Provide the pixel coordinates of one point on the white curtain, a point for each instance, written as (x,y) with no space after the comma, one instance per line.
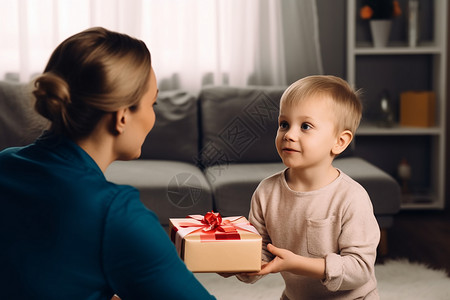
(193,42)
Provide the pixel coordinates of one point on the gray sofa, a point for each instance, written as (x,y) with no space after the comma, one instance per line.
(204,153)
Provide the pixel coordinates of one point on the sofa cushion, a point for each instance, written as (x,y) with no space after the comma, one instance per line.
(239,124)
(20,124)
(175,134)
(171,189)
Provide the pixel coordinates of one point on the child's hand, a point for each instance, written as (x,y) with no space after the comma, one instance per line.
(283,261)
(245,276)
(286,260)
(241,274)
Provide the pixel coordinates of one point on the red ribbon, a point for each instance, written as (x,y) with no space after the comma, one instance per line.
(213,220)
(212,227)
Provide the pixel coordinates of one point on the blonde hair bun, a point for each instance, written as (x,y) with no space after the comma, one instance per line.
(52,97)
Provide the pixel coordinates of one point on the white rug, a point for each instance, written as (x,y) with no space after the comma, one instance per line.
(399,279)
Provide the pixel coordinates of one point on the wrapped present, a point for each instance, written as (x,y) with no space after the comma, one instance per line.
(211,243)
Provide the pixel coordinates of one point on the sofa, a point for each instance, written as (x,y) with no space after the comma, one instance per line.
(205,152)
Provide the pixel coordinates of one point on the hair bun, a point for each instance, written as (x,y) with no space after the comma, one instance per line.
(52,96)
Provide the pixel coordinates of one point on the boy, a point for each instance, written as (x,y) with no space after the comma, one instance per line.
(317,224)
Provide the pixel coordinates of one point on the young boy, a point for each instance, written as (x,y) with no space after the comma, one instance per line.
(317,224)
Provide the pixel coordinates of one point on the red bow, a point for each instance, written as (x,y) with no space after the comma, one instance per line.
(213,220)
(213,227)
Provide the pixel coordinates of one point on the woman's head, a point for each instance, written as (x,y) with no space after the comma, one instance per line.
(92,73)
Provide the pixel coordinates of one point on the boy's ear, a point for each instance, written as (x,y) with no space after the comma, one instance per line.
(342,141)
(120,120)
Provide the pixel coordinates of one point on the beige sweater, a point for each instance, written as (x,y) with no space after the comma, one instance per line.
(335,222)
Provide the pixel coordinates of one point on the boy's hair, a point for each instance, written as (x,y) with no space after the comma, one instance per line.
(347,104)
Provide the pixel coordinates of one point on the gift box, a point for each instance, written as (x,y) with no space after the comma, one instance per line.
(211,243)
(417,108)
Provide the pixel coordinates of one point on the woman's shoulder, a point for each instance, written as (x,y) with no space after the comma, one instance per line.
(125,200)
(124,193)
(7,152)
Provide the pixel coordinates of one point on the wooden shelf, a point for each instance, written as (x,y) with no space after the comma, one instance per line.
(370,129)
(397,49)
(421,202)
(373,69)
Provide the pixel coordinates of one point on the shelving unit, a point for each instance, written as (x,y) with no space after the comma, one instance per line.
(398,67)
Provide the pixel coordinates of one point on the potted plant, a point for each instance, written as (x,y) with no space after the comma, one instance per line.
(380,13)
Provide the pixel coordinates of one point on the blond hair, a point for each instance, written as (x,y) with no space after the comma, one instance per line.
(347,104)
(88,75)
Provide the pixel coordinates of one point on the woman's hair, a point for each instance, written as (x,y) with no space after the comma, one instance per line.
(88,75)
(347,104)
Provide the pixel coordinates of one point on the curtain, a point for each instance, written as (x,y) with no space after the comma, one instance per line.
(193,42)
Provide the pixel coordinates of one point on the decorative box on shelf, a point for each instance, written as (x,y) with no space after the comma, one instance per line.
(211,243)
(417,108)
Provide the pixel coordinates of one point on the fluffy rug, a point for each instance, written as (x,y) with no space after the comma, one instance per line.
(397,279)
(401,279)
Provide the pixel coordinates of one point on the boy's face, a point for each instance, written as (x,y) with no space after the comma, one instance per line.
(307,133)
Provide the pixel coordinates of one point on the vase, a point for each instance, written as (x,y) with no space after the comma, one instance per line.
(380,30)
(413,15)
(386,110)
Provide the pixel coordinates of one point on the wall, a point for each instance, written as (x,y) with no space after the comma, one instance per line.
(332,28)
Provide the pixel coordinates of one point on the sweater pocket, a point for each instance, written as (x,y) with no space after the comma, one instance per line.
(322,236)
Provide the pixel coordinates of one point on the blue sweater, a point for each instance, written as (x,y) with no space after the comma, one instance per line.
(68,233)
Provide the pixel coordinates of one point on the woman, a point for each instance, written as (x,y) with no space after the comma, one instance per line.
(67,232)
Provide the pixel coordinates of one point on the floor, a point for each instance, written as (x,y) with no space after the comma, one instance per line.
(420,236)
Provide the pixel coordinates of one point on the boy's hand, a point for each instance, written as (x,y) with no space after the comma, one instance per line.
(286,260)
(245,276)
(283,261)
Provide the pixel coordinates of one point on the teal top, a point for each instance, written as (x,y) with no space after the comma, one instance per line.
(68,233)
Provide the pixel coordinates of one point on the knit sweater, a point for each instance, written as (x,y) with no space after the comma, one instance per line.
(335,222)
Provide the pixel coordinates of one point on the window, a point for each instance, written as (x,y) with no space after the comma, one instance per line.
(193,42)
